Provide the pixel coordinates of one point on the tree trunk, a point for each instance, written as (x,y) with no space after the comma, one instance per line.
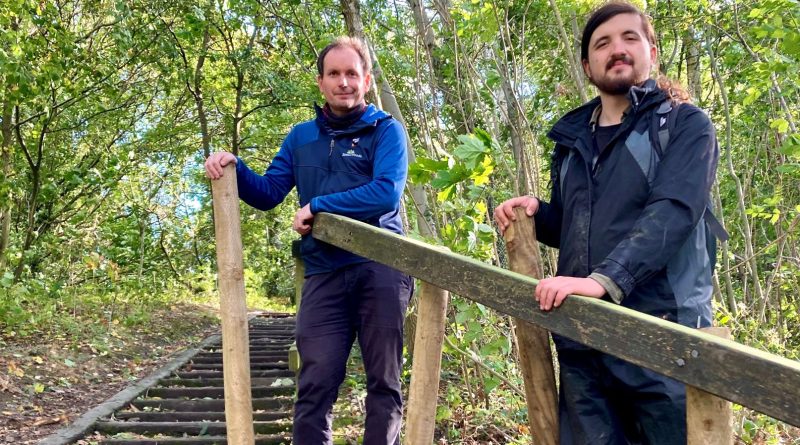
(198,95)
(5,160)
(693,70)
(423,218)
(575,70)
(747,233)
(355,27)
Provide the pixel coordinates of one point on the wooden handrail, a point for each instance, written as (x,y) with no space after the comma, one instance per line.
(756,379)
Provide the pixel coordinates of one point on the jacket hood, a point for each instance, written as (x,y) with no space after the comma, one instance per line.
(371,117)
(566,130)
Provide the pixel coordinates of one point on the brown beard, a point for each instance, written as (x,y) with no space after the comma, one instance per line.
(618,86)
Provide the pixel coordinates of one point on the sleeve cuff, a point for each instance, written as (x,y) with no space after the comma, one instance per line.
(610,286)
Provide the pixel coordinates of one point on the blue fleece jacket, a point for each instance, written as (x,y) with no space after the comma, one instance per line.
(359,172)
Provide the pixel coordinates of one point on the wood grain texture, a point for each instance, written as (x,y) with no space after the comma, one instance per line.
(423,394)
(536,360)
(764,382)
(235,343)
(708,417)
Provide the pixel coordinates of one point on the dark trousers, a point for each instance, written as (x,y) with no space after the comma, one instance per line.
(606,400)
(366,301)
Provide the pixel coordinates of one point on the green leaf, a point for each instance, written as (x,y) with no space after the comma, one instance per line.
(485,228)
(791,146)
(782,125)
(448,178)
(69,363)
(491,383)
(752,95)
(471,151)
(791,45)
(429,165)
(443,412)
(463,316)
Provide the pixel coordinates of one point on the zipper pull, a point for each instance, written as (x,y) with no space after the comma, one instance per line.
(331,152)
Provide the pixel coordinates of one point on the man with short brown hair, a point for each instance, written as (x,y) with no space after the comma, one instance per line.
(350,160)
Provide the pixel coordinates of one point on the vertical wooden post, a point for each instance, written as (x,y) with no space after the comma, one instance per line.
(235,345)
(424,391)
(708,417)
(536,360)
(299,278)
(299,273)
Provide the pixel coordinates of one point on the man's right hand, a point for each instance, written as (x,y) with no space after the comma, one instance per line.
(504,213)
(216,162)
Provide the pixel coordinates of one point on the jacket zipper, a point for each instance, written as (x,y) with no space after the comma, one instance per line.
(330,153)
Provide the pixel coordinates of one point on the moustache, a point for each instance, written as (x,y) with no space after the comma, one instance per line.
(624,58)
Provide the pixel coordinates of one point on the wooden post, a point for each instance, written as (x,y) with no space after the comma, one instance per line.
(536,360)
(299,277)
(299,273)
(424,391)
(708,418)
(235,344)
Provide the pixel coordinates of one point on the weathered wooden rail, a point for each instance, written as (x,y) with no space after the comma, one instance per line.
(183,403)
(756,379)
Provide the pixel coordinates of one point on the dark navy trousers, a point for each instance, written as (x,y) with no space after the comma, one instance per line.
(367,301)
(606,400)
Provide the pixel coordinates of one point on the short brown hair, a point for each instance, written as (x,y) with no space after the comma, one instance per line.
(353,43)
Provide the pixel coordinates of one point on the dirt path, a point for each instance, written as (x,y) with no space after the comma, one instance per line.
(47,381)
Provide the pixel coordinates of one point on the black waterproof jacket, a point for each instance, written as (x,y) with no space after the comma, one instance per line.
(631,216)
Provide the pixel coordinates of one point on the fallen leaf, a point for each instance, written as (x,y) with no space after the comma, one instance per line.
(6,385)
(50,420)
(14,369)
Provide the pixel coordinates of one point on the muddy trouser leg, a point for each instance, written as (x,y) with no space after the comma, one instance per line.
(324,335)
(384,294)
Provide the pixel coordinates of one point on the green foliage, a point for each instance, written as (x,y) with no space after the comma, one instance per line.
(107,110)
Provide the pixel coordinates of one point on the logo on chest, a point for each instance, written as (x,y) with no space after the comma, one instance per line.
(351,152)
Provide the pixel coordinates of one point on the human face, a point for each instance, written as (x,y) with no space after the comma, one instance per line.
(620,55)
(343,81)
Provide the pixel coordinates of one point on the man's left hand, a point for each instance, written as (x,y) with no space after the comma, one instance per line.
(551,292)
(302,220)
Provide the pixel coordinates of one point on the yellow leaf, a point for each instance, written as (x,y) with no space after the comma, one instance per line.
(38,360)
(15,370)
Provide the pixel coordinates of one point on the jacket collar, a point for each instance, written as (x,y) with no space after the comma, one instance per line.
(575,123)
(370,118)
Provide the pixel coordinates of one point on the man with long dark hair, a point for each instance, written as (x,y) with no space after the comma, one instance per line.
(632,172)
